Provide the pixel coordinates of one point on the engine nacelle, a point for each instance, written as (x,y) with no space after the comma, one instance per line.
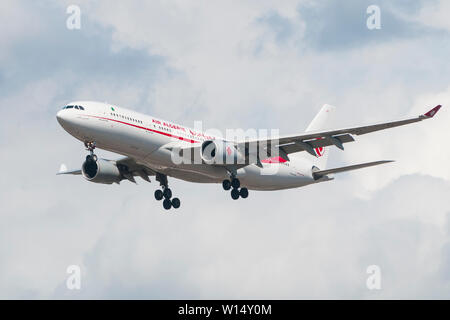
(101,171)
(221,153)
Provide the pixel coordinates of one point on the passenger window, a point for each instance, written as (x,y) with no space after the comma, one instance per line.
(81,108)
(69,107)
(76,107)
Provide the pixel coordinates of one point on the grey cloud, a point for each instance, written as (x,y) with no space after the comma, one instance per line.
(341,25)
(75,58)
(280,26)
(307,249)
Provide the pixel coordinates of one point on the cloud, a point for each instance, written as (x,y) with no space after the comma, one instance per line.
(435,15)
(335,25)
(305,250)
(265,65)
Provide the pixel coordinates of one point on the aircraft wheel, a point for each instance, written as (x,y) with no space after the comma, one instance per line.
(167,193)
(176,203)
(226,184)
(167,204)
(159,195)
(235,183)
(235,194)
(243,193)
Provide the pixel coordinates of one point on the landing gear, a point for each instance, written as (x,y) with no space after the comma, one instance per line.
(159,195)
(166,193)
(167,204)
(90,146)
(226,184)
(176,203)
(234,184)
(235,194)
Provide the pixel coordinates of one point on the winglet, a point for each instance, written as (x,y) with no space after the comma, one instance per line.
(432,112)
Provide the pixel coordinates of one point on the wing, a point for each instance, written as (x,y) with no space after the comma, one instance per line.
(316,139)
(128,167)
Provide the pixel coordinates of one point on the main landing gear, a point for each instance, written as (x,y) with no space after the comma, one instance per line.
(234,184)
(166,193)
(90,146)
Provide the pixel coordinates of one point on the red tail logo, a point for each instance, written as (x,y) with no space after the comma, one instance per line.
(320,150)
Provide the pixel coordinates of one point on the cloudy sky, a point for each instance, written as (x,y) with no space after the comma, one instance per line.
(232,64)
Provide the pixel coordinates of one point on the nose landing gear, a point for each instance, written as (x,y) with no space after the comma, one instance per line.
(90,146)
(234,184)
(166,193)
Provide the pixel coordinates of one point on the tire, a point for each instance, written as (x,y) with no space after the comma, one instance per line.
(235,194)
(159,195)
(235,183)
(176,203)
(243,193)
(226,184)
(167,193)
(167,204)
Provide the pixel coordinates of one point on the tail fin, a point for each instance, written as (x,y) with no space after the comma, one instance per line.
(321,121)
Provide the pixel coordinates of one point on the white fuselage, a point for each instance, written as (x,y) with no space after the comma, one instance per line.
(147,140)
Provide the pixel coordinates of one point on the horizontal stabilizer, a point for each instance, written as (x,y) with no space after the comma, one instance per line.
(321,173)
(63,170)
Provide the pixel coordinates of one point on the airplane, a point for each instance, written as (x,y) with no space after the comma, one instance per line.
(148,145)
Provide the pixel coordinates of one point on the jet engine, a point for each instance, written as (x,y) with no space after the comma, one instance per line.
(221,152)
(101,171)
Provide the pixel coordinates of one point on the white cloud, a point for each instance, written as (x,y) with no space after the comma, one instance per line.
(435,15)
(18,24)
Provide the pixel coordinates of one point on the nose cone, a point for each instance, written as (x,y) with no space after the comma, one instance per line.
(64,119)
(67,120)
(59,116)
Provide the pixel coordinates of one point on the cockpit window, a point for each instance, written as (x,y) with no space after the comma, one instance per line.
(71,107)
